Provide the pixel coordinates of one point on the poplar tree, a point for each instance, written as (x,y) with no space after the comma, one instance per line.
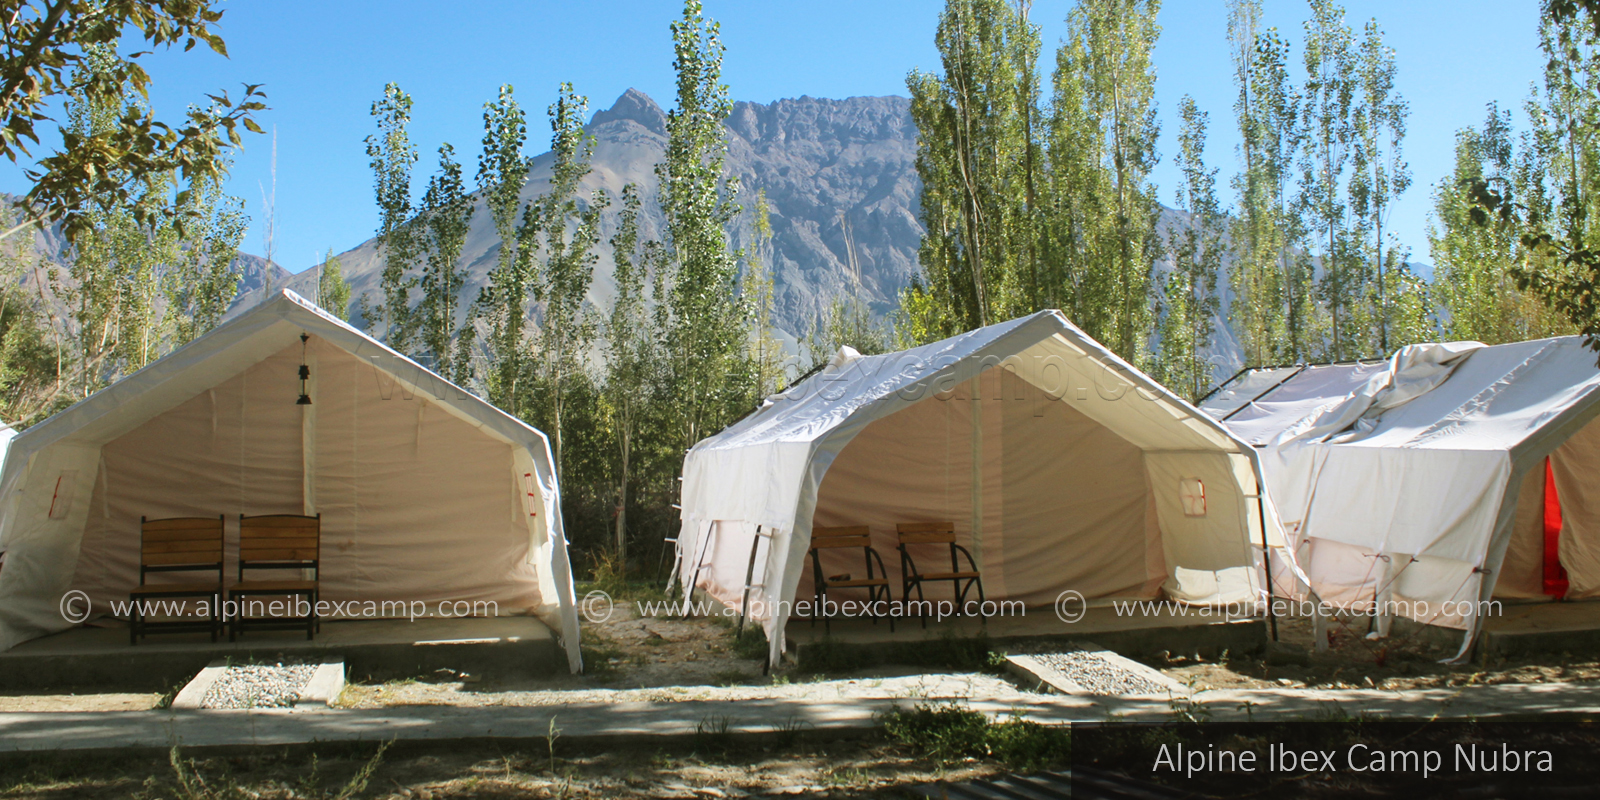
(569,230)
(503,302)
(441,226)
(333,294)
(1190,290)
(1279,137)
(980,161)
(201,282)
(1329,131)
(1108,51)
(757,287)
(392,156)
(630,354)
(1380,174)
(706,325)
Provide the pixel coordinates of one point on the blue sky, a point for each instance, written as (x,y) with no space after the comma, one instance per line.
(323,63)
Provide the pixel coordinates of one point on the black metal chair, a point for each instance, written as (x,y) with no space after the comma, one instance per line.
(963,580)
(876,584)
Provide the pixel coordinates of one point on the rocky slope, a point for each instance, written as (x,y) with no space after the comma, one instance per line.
(839,177)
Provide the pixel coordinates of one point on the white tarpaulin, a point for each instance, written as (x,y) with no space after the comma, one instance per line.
(427,493)
(1062,468)
(1424,478)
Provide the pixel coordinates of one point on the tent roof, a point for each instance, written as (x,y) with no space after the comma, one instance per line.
(1497,398)
(1094,379)
(778,454)
(230,348)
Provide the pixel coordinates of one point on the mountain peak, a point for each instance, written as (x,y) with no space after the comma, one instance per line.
(637,106)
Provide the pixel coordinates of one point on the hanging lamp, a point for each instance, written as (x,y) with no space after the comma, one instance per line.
(305,373)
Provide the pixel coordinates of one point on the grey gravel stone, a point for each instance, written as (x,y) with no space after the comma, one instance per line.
(259,686)
(1089,670)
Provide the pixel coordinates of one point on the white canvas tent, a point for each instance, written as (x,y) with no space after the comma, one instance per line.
(426,492)
(1423,482)
(1063,467)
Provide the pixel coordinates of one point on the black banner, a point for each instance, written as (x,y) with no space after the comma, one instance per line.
(1553,756)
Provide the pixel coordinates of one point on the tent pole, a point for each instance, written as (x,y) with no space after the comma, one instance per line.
(1266,552)
(688,590)
(749,575)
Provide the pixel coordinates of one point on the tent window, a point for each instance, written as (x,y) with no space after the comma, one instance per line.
(1193,494)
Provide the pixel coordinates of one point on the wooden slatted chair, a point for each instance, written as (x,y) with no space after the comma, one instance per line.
(278,542)
(876,584)
(178,544)
(925,533)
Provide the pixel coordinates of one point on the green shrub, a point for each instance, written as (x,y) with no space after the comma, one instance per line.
(951,733)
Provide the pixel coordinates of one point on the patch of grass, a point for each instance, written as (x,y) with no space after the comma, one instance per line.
(598,655)
(949,733)
(751,643)
(190,781)
(610,574)
(712,733)
(166,698)
(730,677)
(788,731)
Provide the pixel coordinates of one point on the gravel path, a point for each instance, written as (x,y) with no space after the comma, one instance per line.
(912,688)
(1098,675)
(259,686)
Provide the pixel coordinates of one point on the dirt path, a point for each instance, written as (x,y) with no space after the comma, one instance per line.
(1355,662)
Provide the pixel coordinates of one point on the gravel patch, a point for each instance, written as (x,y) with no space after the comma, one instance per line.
(1098,675)
(259,686)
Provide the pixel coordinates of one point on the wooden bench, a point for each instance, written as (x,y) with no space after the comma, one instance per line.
(935,533)
(876,584)
(178,544)
(278,542)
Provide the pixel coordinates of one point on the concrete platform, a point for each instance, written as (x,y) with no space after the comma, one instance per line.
(373,650)
(1535,628)
(1142,634)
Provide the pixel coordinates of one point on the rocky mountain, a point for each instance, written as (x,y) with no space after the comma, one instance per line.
(839,177)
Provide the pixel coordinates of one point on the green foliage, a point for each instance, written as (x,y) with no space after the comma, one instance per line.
(441,226)
(1381,176)
(392,156)
(767,357)
(502,172)
(1272,299)
(1191,302)
(978,159)
(949,734)
(45,58)
(847,321)
(333,294)
(568,233)
(751,643)
(1326,118)
(704,319)
(630,357)
(150,274)
(1523,212)
(1026,208)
